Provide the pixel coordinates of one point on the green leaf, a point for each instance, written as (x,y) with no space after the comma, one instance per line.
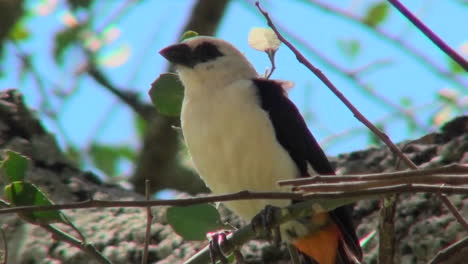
(349,47)
(106,157)
(376,14)
(19,32)
(64,39)
(194,222)
(188,34)
(14,165)
(23,194)
(167,94)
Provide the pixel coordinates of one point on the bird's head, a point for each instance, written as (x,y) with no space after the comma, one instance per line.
(208,60)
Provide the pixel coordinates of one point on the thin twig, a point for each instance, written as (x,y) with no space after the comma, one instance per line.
(88,248)
(242,195)
(5,246)
(386,229)
(448,252)
(453,210)
(144,111)
(354,77)
(365,185)
(382,191)
(149,219)
(430,34)
(448,170)
(271,57)
(394,40)
(335,90)
(353,109)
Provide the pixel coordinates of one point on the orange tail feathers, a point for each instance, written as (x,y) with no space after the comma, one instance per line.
(321,245)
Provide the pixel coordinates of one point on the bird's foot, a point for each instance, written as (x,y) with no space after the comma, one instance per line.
(215,240)
(264,224)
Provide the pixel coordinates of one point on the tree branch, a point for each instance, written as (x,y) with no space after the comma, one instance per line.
(430,34)
(354,110)
(396,41)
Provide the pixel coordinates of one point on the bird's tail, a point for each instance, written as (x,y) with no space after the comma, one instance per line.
(325,247)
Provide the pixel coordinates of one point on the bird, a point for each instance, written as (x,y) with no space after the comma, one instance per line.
(244,133)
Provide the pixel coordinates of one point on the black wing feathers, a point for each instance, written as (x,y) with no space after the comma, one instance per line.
(293,134)
(291,129)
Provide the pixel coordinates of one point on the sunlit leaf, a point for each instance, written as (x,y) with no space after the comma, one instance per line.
(188,34)
(194,222)
(167,94)
(376,14)
(14,166)
(263,39)
(22,194)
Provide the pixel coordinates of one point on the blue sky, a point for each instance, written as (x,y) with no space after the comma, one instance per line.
(151,25)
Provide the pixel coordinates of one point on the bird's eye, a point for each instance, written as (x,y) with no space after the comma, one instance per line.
(207,51)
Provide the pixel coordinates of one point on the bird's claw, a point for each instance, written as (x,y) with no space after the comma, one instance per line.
(215,240)
(264,224)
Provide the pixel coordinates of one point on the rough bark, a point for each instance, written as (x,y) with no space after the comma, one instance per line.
(423,226)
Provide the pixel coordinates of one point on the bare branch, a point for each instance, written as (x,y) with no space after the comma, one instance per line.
(335,90)
(430,34)
(439,172)
(444,255)
(5,246)
(242,195)
(149,219)
(88,248)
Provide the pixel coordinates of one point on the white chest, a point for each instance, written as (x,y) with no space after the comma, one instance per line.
(233,145)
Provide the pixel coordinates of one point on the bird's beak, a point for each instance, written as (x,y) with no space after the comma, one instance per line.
(179,54)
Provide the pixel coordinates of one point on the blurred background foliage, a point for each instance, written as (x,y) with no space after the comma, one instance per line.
(86,67)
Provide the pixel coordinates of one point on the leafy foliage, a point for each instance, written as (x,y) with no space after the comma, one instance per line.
(263,39)
(64,39)
(21,193)
(188,34)
(376,14)
(194,222)
(167,94)
(14,166)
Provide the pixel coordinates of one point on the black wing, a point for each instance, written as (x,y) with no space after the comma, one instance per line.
(293,134)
